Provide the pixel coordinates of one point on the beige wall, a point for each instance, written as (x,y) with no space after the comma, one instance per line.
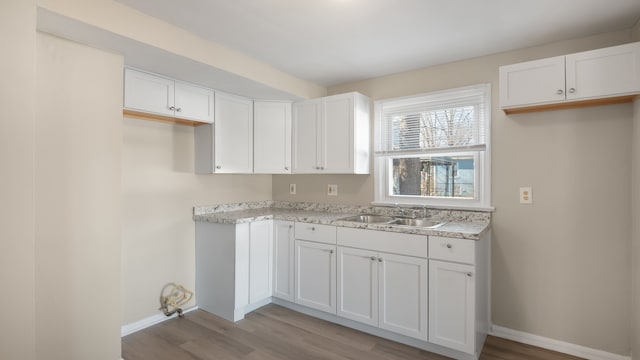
(78,133)
(17,38)
(561,267)
(159,190)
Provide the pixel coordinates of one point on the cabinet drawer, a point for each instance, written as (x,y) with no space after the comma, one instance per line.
(315,232)
(452,249)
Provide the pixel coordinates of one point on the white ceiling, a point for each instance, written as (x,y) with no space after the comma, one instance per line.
(336,41)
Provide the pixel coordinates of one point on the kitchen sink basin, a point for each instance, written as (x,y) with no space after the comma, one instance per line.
(398,221)
(422,223)
(368,219)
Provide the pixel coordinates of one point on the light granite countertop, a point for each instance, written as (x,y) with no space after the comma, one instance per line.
(458,224)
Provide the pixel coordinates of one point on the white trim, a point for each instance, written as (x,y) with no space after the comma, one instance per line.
(555,345)
(442,207)
(147,322)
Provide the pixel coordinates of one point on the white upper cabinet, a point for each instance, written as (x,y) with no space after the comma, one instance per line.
(193,102)
(331,135)
(272,137)
(233,134)
(605,72)
(226,147)
(153,94)
(532,82)
(306,136)
(588,76)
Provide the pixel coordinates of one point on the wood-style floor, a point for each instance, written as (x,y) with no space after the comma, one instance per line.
(274,332)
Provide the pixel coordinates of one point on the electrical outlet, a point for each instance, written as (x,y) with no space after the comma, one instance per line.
(526,195)
(292,189)
(332,190)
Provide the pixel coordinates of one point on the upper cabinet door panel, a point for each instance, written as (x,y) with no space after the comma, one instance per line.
(306,120)
(233,134)
(193,102)
(337,134)
(604,72)
(148,93)
(532,82)
(272,137)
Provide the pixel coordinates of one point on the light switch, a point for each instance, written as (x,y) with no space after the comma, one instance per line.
(526,195)
(332,189)
(292,189)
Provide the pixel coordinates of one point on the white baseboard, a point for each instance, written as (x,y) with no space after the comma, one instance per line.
(555,345)
(150,321)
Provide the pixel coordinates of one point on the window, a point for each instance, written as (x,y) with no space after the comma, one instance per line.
(433,148)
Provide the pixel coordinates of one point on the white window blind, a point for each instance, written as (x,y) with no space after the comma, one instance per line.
(451,120)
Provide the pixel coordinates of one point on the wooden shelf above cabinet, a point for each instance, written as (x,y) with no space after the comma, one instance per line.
(160,118)
(572,105)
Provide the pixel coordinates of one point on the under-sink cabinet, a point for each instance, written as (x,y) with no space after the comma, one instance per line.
(383,290)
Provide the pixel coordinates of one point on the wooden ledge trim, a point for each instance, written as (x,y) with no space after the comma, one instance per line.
(572,105)
(160,118)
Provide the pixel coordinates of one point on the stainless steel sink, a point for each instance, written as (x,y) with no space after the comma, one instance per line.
(368,219)
(422,223)
(398,221)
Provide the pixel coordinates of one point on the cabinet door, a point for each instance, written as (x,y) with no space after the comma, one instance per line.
(148,93)
(306,127)
(358,285)
(604,72)
(283,260)
(336,135)
(233,134)
(403,295)
(452,305)
(532,82)
(272,137)
(315,280)
(193,102)
(260,253)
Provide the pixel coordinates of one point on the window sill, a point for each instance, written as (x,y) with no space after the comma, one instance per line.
(440,207)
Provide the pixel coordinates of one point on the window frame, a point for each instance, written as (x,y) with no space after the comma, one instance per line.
(382,163)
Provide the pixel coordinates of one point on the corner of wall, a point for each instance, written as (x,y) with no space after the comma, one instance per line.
(635,31)
(635,232)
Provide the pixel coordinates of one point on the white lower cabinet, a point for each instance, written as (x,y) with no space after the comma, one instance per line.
(233,267)
(384,290)
(428,291)
(260,257)
(283,260)
(315,275)
(358,285)
(403,295)
(452,305)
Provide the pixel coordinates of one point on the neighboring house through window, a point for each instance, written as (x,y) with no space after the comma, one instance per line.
(433,149)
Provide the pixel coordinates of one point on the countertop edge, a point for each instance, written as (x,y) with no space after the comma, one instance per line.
(474,231)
